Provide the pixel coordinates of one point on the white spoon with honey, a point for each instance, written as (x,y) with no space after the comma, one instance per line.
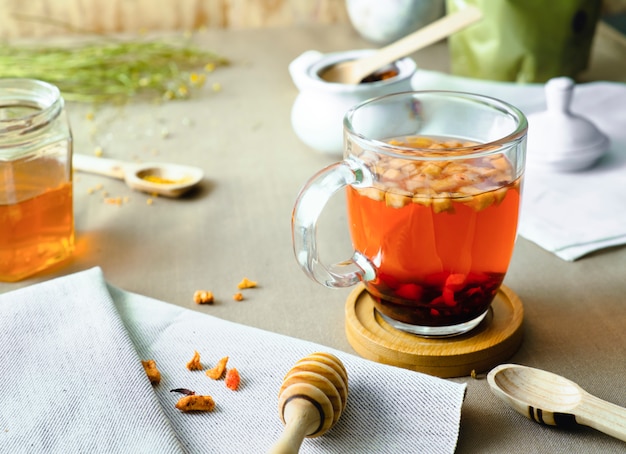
(169,180)
(553,400)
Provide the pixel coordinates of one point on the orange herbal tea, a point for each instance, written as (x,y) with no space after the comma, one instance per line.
(439,231)
(36,221)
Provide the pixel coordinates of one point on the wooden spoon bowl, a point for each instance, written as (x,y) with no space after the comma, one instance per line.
(550,399)
(169,180)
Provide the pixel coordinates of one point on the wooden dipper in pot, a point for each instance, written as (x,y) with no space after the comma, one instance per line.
(311,399)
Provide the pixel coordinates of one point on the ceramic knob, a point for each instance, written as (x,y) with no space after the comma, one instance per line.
(559,139)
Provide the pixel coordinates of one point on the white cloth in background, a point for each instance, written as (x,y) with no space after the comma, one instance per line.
(569,214)
(72,381)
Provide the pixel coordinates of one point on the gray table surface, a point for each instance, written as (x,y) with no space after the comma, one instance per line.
(238,224)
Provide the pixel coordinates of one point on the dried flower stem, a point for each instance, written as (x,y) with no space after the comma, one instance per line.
(112,70)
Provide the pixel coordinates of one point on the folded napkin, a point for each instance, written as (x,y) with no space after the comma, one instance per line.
(569,214)
(70,377)
(72,381)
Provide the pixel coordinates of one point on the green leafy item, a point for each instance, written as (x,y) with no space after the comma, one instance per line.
(524,40)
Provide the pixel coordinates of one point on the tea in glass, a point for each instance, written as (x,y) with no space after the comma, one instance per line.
(433,181)
(440,233)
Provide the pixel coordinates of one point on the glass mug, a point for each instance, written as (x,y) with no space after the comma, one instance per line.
(433,182)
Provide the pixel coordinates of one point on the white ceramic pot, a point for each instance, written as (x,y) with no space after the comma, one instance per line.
(384,21)
(318,111)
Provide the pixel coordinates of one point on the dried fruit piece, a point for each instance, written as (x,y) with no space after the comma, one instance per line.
(455,281)
(423,200)
(151,371)
(246,283)
(217,372)
(396,200)
(409,291)
(194,363)
(372,193)
(397,181)
(203,297)
(232,379)
(441,204)
(195,403)
(480,201)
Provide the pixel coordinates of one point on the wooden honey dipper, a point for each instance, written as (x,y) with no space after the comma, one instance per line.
(311,399)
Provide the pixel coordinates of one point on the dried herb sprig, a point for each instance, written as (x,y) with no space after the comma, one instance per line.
(184,391)
(109,70)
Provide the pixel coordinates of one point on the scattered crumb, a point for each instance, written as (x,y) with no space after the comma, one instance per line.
(194,363)
(203,297)
(98,151)
(151,371)
(113,201)
(238,296)
(218,371)
(195,403)
(232,379)
(246,283)
(477,376)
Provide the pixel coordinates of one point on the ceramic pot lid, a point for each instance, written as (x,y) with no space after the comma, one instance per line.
(560,139)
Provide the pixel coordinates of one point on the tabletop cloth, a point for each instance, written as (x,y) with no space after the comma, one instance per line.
(72,381)
(570,214)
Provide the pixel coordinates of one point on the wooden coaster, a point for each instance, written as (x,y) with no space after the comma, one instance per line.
(492,342)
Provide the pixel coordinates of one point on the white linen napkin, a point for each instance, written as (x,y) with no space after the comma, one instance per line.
(70,378)
(72,381)
(569,214)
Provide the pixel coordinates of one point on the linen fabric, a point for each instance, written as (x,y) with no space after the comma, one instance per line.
(73,381)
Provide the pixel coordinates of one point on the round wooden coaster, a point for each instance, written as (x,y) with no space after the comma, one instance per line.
(492,342)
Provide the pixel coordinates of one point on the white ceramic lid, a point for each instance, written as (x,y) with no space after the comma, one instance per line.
(560,139)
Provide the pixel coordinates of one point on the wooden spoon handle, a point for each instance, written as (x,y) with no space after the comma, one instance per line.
(301,418)
(603,416)
(423,37)
(99,166)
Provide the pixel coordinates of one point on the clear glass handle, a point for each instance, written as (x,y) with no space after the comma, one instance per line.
(307,210)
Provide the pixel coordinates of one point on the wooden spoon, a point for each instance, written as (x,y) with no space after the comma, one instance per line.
(169,180)
(353,72)
(550,399)
(311,399)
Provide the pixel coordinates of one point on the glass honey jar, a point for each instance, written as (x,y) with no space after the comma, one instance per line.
(36,210)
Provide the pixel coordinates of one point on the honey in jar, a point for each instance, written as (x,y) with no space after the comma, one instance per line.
(36,212)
